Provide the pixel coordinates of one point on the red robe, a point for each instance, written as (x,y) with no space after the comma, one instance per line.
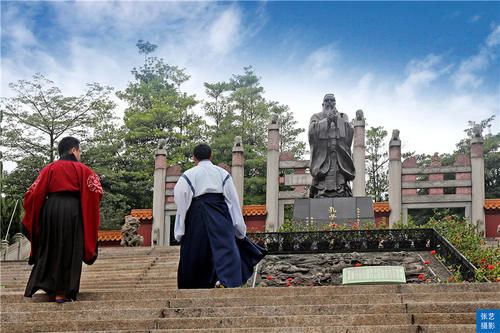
(72,176)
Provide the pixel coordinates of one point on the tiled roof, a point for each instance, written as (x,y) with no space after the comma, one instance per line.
(109,235)
(142,214)
(254,210)
(492,204)
(381,207)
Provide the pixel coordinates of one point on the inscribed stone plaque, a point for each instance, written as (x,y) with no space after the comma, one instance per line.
(320,209)
(301,209)
(373,275)
(336,210)
(365,206)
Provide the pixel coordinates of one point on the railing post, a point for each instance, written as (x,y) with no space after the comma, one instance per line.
(272,186)
(436,177)
(238,169)
(157,230)
(477,174)
(358,155)
(395,178)
(18,237)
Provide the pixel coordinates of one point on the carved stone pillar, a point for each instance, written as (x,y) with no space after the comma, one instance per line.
(478,191)
(395,178)
(158,228)
(358,155)
(237,169)
(272,186)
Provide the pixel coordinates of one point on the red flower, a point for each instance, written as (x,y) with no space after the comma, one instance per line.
(433,252)
(450,279)
(421,276)
(288,284)
(289,279)
(427,262)
(498,280)
(298,282)
(311,285)
(449,217)
(358,264)
(491,267)
(269,277)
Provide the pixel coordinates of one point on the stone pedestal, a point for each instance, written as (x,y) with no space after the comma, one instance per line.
(340,211)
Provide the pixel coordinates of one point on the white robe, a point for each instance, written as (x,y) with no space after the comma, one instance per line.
(206,178)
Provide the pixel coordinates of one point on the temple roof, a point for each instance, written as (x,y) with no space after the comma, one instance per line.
(109,235)
(381,207)
(254,210)
(142,214)
(492,204)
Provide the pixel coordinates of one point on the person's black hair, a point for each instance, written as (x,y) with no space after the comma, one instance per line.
(67,144)
(202,152)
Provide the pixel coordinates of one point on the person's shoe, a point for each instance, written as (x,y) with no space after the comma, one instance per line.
(62,299)
(219,285)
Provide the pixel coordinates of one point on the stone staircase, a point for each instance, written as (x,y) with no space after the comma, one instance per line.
(134,290)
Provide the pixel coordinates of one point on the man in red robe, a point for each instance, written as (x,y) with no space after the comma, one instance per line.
(62,220)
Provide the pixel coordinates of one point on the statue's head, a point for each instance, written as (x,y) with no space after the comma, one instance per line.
(328,102)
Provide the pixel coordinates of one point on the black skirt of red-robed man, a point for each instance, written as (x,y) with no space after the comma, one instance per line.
(58,257)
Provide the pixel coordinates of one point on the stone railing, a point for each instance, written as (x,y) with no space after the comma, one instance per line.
(380,240)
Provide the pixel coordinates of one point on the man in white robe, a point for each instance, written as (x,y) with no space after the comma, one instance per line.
(210,227)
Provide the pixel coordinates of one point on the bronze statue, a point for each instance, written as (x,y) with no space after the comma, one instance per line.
(330,138)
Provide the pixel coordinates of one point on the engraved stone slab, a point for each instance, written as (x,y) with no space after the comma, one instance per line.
(334,210)
(373,275)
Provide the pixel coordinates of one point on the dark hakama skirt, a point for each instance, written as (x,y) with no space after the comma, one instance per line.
(210,252)
(58,258)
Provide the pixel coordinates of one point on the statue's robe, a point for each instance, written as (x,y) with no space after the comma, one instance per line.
(61,221)
(331,150)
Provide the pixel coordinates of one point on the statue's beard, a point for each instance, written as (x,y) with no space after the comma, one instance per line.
(329,108)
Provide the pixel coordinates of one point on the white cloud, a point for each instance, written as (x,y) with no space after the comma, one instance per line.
(475,18)
(494,37)
(224,32)
(468,73)
(320,63)
(421,74)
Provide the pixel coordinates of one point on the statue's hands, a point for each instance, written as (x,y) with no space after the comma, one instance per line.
(332,117)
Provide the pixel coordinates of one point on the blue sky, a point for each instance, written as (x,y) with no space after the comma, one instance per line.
(425,68)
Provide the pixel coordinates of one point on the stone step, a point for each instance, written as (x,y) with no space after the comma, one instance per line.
(148,312)
(338,329)
(338,299)
(178,301)
(262,322)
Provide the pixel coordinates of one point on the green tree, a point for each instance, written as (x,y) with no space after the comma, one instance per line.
(145,47)
(36,118)
(40,114)
(491,149)
(157,109)
(288,130)
(376,164)
(238,108)
(221,134)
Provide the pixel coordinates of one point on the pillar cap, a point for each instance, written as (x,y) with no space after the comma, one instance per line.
(395,141)
(238,145)
(160,151)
